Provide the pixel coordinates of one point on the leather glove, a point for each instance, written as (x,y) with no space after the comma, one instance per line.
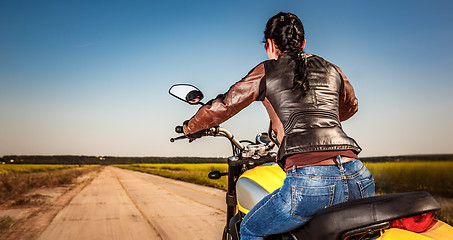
(192,136)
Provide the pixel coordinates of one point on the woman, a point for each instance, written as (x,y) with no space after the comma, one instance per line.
(306,97)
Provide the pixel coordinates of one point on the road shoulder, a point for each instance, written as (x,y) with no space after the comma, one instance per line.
(31,220)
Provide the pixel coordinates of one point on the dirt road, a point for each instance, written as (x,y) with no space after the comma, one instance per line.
(122,204)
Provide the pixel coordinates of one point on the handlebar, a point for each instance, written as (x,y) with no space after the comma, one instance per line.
(217,131)
(214,131)
(230,137)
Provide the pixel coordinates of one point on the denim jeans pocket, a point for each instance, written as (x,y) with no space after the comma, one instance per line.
(306,201)
(366,187)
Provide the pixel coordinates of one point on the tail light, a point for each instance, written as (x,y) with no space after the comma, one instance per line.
(419,223)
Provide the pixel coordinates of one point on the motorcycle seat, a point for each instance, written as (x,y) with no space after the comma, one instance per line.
(332,222)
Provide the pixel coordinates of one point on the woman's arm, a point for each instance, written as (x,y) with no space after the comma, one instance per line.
(348,102)
(224,106)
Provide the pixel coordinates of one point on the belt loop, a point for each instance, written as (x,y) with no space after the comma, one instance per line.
(294,168)
(339,160)
(340,165)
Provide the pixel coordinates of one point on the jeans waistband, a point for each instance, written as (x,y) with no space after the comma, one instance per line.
(338,160)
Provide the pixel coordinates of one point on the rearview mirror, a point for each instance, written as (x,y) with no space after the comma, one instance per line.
(187,93)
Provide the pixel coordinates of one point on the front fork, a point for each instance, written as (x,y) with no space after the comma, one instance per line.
(231,200)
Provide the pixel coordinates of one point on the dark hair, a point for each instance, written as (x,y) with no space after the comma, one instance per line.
(287,32)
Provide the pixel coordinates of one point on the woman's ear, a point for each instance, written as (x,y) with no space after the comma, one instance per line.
(271,49)
(268,44)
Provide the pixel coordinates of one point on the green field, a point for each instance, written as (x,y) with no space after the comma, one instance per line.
(434,177)
(194,173)
(28,168)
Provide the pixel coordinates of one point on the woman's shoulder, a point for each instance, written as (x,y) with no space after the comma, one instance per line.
(264,64)
(319,61)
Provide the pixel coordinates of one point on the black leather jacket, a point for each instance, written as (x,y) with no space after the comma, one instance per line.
(302,124)
(311,122)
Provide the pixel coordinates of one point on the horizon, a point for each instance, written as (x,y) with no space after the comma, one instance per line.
(103,156)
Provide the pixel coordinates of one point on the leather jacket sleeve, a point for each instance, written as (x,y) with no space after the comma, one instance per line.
(224,106)
(348,103)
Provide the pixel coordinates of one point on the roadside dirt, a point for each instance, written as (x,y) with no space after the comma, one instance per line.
(32,212)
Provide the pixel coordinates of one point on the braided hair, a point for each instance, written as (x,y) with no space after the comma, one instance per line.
(287,32)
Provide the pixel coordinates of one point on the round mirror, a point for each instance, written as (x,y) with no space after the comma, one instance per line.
(186,93)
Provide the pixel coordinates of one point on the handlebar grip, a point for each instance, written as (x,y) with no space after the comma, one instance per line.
(179,129)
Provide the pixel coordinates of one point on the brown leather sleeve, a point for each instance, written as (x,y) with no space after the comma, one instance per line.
(240,95)
(347,101)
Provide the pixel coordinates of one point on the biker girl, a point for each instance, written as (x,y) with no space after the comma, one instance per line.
(306,98)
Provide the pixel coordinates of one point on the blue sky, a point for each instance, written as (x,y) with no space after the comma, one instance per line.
(91,77)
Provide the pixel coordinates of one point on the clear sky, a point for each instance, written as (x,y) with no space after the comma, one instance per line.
(92,77)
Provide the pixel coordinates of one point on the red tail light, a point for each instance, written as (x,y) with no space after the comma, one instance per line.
(419,223)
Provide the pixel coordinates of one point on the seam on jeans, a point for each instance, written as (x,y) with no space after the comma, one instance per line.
(362,188)
(359,183)
(329,178)
(331,194)
(300,217)
(345,183)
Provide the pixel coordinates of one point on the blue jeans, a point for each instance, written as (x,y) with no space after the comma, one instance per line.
(304,192)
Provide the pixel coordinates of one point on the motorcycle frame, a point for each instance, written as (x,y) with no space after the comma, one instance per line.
(236,166)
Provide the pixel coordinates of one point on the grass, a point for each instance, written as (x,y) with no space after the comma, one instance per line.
(434,177)
(17,179)
(29,168)
(194,173)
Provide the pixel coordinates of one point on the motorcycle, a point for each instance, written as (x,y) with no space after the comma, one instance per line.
(253,173)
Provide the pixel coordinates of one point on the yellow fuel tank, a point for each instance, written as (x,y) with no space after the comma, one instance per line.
(256,183)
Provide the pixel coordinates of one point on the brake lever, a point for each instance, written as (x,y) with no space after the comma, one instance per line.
(178,138)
